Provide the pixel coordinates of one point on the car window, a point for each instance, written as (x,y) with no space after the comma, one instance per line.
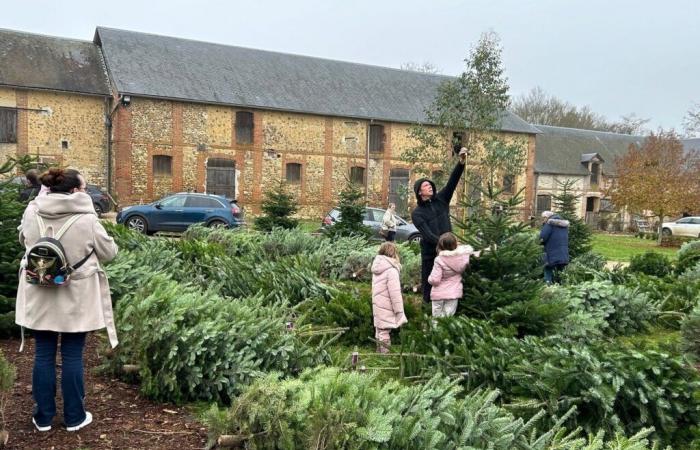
(176,201)
(378,215)
(696,221)
(685,220)
(202,202)
(334,213)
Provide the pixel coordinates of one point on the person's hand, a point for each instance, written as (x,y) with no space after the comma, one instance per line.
(463,155)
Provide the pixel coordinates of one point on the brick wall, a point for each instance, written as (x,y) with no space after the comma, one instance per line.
(326,148)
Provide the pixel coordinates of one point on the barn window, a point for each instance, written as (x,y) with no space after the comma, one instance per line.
(162,165)
(293,173)
(376,138)
(8,126)
(357,175)
(244,127)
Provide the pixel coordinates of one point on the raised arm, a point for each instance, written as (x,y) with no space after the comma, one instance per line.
(448,191)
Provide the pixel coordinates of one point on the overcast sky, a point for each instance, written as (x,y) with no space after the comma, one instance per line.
(617,56)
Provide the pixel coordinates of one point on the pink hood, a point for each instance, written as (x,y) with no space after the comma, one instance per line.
(387,301)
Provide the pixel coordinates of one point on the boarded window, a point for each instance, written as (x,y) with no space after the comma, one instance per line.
(8,126)
(509,184)
(595,170)
(244,127)
(544,203)
(376,138)
(162,165)
(293,173)
(357,175)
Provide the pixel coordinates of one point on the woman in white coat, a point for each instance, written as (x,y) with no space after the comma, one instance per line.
(68,311)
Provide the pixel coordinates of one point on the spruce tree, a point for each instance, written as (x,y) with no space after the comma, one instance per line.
(579,233)
(352,213)
(279,205)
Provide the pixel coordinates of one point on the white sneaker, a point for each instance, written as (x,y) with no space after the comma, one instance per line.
(46,428)
(84,423)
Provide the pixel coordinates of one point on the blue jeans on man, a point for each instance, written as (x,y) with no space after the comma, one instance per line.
(44,377)
(551,273)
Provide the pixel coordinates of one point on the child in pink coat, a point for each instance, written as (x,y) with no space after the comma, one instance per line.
(387,301)
(446,277)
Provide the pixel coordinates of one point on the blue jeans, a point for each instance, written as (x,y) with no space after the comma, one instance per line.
(551,271)
(44,377)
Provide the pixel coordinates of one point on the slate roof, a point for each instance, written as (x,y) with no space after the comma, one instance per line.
(44,62)
(560,150)
(149,65)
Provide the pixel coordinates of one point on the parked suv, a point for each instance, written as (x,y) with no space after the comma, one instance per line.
(373,219)
(687,226)
(101,199)
(178,211)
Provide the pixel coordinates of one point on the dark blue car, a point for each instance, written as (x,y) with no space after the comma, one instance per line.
(178,211)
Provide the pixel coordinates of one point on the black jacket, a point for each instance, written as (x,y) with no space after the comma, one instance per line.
(432,217)
(29,192)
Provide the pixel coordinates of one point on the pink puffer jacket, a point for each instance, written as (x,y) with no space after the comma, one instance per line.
(446,277)
(387,301)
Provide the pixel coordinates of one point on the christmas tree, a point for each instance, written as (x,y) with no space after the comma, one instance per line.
(279,205)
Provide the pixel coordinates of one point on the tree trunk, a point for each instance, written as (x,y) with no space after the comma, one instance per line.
(661,222)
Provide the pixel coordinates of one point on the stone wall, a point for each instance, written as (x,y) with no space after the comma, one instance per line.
(71,132)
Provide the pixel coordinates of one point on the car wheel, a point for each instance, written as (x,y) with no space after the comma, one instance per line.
(415,238)
(666,232)
(98,210)
(217,224)
(137,223)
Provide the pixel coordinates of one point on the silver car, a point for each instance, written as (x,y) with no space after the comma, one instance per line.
(405,231)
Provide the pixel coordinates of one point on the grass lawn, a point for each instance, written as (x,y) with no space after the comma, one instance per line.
(617,247)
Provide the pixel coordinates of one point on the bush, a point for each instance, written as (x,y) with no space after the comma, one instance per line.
(327,409)
(688,256)
(651,263)
(690,330)
(349,309)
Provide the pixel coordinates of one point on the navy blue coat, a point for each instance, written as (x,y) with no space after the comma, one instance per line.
(555,238)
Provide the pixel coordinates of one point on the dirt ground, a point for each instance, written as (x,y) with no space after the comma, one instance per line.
(122,419)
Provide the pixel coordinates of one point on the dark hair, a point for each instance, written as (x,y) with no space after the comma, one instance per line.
(32,176)
(447,241)
(60,180)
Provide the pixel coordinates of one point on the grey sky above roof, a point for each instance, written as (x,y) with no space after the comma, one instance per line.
(560,150)
(44,62)
(599,53)
(171,67)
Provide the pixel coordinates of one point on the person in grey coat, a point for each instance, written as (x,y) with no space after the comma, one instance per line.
(555,238)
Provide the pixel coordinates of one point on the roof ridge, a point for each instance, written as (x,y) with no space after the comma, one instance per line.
(586,130)
(30,33)
(434,75)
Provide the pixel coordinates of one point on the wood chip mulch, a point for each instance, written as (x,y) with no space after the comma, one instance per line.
(122,419)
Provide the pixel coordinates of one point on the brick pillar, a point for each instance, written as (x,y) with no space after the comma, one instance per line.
(257,159)
(386,172)
(22,101)
(177,142)
(122,135)
(328,164)
(529,179)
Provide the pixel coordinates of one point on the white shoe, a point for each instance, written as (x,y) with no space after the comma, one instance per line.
(46,428)
(84,423)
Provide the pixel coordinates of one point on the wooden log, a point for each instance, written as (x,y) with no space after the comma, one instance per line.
(231,440)
(131,368)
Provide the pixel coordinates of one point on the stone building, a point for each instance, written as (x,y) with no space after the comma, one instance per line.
(584,156)
(187,115)
(222,119)
(54,97)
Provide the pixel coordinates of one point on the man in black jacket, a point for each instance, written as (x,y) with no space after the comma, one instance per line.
(432,217)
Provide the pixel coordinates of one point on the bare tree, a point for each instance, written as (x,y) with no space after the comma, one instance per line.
(424,67)
(540,108)
(691,121)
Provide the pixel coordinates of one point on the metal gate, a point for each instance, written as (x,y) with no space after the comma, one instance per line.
(221,177)
(399,190)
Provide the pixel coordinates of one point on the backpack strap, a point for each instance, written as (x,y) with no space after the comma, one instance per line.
(77,265)
(61,231)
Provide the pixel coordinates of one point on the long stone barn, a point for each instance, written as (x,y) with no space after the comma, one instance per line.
(185,115)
